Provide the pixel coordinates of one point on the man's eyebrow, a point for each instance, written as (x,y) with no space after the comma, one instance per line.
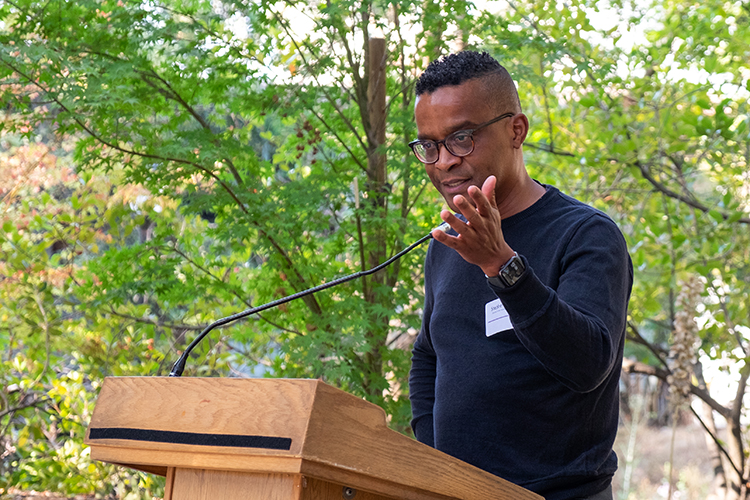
(465,125)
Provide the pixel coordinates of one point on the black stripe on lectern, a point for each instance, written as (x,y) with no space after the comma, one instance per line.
(267,442)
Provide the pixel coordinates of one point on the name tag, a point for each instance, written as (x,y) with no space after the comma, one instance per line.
(496,318)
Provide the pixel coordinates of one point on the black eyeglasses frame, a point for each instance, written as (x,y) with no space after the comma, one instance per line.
(471,131)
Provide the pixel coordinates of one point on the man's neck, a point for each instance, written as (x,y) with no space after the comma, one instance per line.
(520,197)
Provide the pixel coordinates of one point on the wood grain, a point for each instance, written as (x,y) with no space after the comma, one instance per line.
(335,437)
(269,407)
(194,484)
(169,484)
(315,489)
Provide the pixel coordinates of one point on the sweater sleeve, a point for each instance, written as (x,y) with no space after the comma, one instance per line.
(422,375)
(422,390)
(576,329)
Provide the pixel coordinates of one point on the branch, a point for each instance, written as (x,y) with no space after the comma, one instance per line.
(729,321)
(173,326)
(639,339)
(203,24)
(665,190)
(193,112)
(630,366)
(548,149)
(33,402)
(360,84)
(43,311)
(121,149)
(309,300)
(171,93)
(650,178)
(232,291)
(318,27)
(330,99)
(644,171)
(341,141)
(717,441)
(9,390)
(739,396)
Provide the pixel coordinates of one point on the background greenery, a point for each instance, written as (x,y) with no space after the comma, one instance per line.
(165,163)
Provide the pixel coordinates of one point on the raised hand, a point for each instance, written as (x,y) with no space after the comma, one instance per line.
(480,240)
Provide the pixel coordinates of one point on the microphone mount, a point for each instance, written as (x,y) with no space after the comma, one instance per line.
(179,365)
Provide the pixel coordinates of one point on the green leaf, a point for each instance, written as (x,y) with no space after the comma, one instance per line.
(734,217)
(716,215)
(588,101)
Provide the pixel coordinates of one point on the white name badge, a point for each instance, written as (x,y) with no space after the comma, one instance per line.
(496,318)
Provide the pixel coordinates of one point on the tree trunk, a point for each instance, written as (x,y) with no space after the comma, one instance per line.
(734,448)
(378,199)
(718,460)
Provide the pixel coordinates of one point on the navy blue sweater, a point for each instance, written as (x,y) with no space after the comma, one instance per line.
(536,404)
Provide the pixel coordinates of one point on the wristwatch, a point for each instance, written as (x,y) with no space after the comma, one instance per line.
(509,273)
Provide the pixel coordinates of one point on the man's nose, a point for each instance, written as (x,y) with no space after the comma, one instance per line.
(446,160)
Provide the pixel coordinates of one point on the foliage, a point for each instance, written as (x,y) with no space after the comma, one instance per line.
(655,131)
(53,359)
(241,170)
(176,161)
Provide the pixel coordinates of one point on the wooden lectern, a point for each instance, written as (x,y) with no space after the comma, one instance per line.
(273,439)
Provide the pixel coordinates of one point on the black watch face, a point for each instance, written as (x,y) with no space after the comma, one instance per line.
(512,271)
(509,274)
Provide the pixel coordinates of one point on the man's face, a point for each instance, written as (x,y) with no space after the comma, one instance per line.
(461,107)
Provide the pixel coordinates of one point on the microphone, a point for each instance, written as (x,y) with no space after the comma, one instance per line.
(179,365)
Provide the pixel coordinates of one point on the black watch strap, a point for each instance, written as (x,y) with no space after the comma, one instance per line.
(509,273)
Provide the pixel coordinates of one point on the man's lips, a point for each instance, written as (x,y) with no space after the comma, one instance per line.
(455,185)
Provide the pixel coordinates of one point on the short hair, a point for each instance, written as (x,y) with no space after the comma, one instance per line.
(458,68)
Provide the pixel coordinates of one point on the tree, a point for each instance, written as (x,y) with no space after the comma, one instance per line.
(53,222)
(250,132)
(655,132)
(267,148)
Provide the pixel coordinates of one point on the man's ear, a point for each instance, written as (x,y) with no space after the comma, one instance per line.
(520,126)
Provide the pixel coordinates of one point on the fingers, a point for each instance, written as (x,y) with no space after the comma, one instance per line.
(480,214)
(467,209)
(443,237)
(479,238)
(484,198)
(488,190)
(457,224)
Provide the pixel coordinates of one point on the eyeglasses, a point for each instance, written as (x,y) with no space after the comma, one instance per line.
(459,143)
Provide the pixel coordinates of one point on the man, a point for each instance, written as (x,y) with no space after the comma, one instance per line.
(516,367)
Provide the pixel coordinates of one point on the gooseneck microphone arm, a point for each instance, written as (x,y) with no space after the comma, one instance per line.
(179,366)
